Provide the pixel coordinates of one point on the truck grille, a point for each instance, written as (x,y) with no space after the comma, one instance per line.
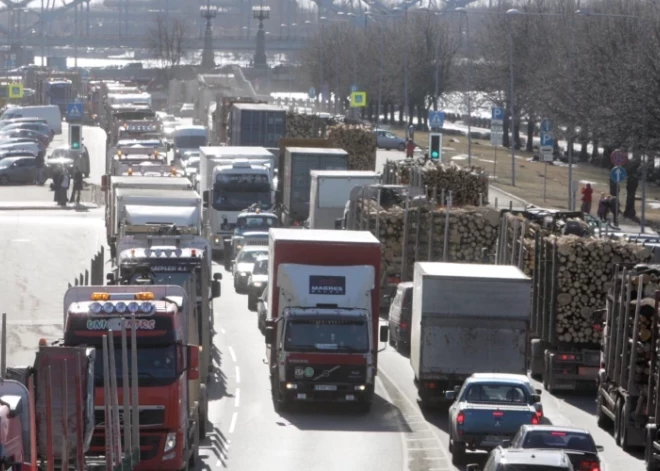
(148,417)
(149,445)
(327,373)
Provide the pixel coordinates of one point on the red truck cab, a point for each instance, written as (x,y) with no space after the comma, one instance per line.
(167,366)
(323,316)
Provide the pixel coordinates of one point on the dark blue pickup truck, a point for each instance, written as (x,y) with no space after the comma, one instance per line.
(488,410)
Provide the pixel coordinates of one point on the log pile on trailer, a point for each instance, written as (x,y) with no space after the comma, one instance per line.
(420,233)
(306,126)
(468,184)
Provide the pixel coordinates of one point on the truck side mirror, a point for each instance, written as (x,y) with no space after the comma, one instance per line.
(450,395)
(536,398)
(193,362)
(384,333)
(338,223)
(217,276)
(270,334)
(205,198)
(110,278)
(538,391)
(215,289)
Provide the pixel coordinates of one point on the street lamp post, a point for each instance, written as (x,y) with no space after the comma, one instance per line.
(469,80)
(512,100)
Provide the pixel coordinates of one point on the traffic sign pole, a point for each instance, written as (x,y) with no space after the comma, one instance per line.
(545,182)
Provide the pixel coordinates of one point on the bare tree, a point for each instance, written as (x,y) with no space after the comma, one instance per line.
(167,41)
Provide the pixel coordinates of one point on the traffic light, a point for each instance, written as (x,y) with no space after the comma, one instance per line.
(435,145)
(75,135)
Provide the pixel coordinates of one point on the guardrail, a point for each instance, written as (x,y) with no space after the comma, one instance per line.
(93,276)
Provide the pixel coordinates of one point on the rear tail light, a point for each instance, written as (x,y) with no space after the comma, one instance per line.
(404,325)
(460,418)
(590,466)
(567,357)
(498,414)
(535,419)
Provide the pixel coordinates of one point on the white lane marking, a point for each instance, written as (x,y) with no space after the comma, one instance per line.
(404,447)
(222,331)
(237,398)
(238,375)
(232,424)
(232,353)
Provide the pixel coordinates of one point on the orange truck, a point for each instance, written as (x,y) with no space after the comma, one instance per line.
(167,365)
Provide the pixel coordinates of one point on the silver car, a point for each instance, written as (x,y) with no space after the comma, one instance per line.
(387,140)
(244,264)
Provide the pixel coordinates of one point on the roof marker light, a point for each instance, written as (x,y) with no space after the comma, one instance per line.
(145,296)
(178,252)
(193,252)
(147,252)
(100,296)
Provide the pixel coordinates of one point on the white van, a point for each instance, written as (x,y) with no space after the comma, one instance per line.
(189,139)
(51,113)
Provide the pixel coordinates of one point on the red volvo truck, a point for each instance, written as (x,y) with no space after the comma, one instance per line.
(322,329)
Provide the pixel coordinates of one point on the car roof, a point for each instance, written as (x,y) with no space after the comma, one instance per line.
(533,456)
(499,377)
(554,428)
(254,248)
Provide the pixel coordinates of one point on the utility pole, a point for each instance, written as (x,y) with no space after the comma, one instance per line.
(208,13)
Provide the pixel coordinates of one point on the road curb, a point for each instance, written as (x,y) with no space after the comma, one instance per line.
(512,196)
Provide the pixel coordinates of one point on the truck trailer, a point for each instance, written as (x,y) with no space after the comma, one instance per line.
(466,319)
(322,326)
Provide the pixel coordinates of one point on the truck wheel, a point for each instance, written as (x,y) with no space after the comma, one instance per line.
(601,419)
(617,422)
(457,453)
(252,303)
(649,454)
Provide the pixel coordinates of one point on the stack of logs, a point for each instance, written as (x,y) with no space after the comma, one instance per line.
(359,141)
(472,235)
(468,183)
(646,278)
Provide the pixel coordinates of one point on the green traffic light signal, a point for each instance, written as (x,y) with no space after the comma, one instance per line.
(434,154)
(75,145)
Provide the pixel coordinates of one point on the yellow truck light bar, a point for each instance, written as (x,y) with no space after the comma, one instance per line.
(143,296)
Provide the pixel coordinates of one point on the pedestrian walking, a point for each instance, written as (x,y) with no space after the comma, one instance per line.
(586,198)
(64,188)
(603,207)
(40,168)
(77,186)
(410,149)
(57,183)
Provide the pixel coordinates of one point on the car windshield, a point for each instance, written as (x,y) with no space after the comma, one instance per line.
(155,365)
(495,393)
(261,268)
(193,163)
(251,256)
(563,440)
(189,142)
(326,334)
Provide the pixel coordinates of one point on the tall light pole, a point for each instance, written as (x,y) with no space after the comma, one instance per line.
(463,11)
(512,100)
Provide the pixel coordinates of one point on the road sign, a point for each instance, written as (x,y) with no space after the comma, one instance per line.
(74,111)
(436,119)
(547,147)
(618,158)
(354,88)
(16,90)
(312,92)
(497,114)
(618,174)
(358,99)
(9,63)
(496,138)
(546,125)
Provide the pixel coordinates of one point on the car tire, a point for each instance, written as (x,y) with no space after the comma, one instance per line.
(457,453)
(4,180)
(623,434)
(401,147)
(617,422)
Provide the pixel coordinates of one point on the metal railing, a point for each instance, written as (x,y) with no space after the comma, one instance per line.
(93,276)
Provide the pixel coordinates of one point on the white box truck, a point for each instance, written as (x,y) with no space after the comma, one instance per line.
(231,180)
(466,318)
(330,191)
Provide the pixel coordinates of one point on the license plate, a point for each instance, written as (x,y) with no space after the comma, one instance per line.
(495,438)
(564,386)
(325,387)
(588,371)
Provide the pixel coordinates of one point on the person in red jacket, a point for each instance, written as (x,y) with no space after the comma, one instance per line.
(586,198)
(410,149)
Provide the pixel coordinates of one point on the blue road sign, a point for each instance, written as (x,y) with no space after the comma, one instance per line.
(497,114)
(546,125)
(436,119)
(547,139)
(618,174)
(74,111)
(354,88)
(312,92)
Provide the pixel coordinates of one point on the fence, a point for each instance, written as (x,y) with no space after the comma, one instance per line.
(93,276)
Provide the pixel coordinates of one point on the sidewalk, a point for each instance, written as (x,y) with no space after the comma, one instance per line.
(500,199)
(32,197)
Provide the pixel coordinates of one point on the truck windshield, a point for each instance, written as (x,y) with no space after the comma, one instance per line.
(256,222)
(237,199)
(162,276)
(155,366)
(327,335)
(190,142)
(494,393)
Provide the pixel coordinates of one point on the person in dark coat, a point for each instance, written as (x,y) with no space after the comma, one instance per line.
(77,186)
(57,183)
(40,168)
(64,188)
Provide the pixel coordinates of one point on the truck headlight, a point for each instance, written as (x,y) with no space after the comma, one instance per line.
(216,240)
(291,386)
(170,442)
(241,274)
(360,387)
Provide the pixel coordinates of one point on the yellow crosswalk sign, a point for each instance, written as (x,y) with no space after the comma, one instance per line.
(358,99)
